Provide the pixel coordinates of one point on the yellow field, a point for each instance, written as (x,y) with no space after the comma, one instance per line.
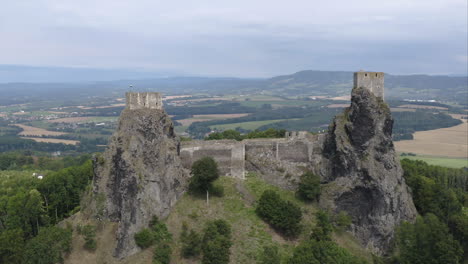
(70,119)
(53,140)
(337,105)
(397,109)
(36,132)
(201,118)
(423,107)
(444,142)
(341,98)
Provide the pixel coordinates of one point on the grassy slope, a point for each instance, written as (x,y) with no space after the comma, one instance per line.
(250,233)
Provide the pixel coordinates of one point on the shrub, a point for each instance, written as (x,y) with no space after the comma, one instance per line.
(217,190)
(48,246)
(216,242)
(89,233)
(342,220)
(162,253)
(270,255)
(284,216)
(144,238)
(312,251)
(323,230)
(309,187)
(191,245)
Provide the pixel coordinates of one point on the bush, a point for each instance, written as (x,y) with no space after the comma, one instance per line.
(315,252)
(89,233)
(162,253)
(323,230)
(216,242)
(342,220)
(144,238)
(270,255)
(191,245)
(217,190)
(284,216)
(309,187)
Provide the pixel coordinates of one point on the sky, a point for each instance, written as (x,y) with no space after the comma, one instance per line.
(242,38)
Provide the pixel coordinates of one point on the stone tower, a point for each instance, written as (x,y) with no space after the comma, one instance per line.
(145,100)
(372,81)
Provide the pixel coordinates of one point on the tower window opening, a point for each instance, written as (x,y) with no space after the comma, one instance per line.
(366,74)
(376,75)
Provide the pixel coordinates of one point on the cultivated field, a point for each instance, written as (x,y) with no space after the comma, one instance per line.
(201,118)
(37,132)
(79,119)
(337,105)
(445,142)
(53,140)
(247,125)
(440,161)
(397,109)
(423,107)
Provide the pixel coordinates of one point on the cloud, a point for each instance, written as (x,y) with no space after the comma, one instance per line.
(237,38)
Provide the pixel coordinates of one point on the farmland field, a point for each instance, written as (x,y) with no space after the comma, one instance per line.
(247,125)
(53,140)
(201,118)
(35,131)
(446,142)
(70,119)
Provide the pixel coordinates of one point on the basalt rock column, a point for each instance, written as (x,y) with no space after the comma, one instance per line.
(140,174)
(366,179)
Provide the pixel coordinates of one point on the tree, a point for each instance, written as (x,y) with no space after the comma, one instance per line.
(309,187)
(48,246)
(204,172)
(191,244)
(427,241)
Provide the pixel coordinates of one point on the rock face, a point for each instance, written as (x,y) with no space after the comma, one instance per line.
(365,177)
(140,175)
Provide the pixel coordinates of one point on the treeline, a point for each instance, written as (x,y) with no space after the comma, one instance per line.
(406,123)
(439,234)
(29,207)
(236,135)
(13,143)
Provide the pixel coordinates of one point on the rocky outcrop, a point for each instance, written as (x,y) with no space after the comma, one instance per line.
(138,176)
(366,179)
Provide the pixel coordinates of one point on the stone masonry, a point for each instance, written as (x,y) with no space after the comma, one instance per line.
(372,81)
(148,100)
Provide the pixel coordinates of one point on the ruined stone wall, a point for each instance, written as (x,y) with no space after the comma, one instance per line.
(228,154)
(372,81)
(145,100)
(275,158)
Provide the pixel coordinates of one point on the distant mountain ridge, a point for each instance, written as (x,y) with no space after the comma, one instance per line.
(300,84)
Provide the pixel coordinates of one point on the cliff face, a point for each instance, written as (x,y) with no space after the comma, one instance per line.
(139,175)
(366,179)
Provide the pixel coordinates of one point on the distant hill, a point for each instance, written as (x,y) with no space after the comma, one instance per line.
(78,83)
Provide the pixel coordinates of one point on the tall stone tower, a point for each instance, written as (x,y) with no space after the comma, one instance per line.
(149,100)
(372,81)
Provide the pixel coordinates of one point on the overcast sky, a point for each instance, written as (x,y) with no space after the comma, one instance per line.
(245,38)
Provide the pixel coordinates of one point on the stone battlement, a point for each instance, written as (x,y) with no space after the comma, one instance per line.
(145,100)
(372,81)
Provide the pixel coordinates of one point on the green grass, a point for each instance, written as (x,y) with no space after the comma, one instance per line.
(100,119)
(252,125)
(249,233)
(440,161)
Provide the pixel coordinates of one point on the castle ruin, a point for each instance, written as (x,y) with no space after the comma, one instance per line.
(148,100)
(372,81)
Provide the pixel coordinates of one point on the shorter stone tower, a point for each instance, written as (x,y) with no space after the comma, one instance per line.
(148,100)
(372,81)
